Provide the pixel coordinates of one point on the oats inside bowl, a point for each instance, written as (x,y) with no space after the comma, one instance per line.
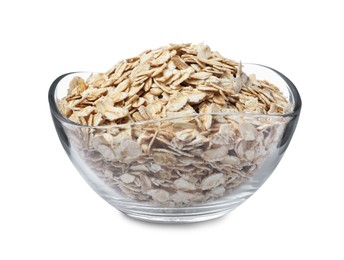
(175,127)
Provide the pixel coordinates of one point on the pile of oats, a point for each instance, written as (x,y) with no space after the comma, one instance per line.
(197,139)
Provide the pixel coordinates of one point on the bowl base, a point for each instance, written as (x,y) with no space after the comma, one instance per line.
(173,215)
(172,219)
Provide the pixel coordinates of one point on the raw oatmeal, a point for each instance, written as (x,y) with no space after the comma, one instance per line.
(171,125)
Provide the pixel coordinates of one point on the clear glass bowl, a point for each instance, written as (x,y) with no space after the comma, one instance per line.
(171,170)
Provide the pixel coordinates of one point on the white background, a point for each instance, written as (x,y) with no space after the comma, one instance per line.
(49,212)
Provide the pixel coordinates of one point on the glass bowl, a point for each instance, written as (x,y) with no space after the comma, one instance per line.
(173,170)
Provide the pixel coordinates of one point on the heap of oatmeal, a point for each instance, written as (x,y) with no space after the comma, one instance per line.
(198,156)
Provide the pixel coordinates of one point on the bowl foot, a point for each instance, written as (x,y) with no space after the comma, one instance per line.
(173,215)
(175,219)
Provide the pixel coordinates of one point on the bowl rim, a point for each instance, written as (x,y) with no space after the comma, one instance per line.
(293,90)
